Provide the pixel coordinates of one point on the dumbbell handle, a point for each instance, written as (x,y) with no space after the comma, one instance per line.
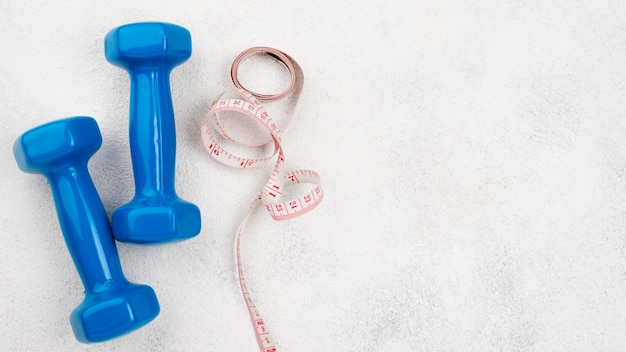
(85,227)
(152,126)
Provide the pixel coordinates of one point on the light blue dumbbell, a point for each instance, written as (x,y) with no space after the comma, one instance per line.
(60,151)
(149,51)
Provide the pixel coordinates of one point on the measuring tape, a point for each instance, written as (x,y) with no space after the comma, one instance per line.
(250,104)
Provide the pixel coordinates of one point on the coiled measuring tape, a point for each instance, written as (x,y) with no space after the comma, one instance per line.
(250,104)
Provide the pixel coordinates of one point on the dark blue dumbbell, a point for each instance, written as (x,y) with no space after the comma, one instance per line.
(149,51)
(113,306)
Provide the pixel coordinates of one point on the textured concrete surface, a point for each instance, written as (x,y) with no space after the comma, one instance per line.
(473,156)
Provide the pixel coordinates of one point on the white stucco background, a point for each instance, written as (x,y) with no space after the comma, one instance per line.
(473,155)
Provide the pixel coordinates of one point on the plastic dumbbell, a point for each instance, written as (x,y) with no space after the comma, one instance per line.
(112,306)
(149,51)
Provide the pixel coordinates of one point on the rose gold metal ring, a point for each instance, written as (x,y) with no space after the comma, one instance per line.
(274,53)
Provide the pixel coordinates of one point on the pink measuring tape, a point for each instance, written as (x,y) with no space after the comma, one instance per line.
(250,104)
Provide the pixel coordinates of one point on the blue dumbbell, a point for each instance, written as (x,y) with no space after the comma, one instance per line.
(149,51)
(60,151)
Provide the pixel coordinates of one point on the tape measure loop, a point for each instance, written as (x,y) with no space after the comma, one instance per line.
(274,53)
